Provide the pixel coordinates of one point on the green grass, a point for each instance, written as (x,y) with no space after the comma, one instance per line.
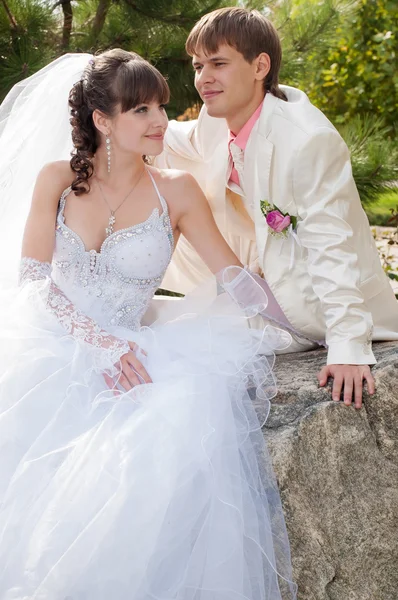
(379,212)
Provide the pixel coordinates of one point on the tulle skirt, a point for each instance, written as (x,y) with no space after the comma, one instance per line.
(165,492)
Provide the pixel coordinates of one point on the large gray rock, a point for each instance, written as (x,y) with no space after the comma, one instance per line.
(337,469)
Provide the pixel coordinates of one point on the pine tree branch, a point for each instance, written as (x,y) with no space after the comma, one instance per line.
(303,45)
(170,20)
(11,18)
(176,19)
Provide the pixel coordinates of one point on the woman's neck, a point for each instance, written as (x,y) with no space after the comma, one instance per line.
(125,169)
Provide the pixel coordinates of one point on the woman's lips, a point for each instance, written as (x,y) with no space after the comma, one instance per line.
(156,136)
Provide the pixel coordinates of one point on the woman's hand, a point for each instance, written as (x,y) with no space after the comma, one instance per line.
(133,372)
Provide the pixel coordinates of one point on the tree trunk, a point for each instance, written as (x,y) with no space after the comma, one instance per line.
(100,16)
(67,27)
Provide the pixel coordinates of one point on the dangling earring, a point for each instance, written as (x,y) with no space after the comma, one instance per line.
(108,151)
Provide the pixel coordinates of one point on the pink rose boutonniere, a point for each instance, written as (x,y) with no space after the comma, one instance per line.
(279,223)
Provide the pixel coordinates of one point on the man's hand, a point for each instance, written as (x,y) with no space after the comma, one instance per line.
(350,378)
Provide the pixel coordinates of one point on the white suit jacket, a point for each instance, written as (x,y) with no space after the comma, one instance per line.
(328,279)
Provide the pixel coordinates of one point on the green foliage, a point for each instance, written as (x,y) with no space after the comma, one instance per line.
(26,40)
(374,156)
(305,27)
(358,74)
(381,212)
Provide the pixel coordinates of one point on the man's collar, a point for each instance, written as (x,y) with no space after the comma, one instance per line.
(241,139)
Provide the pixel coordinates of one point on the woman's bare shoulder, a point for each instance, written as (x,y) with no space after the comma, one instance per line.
(175,183)
(59,173)
(53,179)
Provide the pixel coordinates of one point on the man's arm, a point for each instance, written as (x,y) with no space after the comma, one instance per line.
(327,202)
(190,142)
(179,145)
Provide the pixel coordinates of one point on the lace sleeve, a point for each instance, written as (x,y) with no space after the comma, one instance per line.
(76,323)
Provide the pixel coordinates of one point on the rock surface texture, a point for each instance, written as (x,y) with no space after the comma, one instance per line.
(337,469)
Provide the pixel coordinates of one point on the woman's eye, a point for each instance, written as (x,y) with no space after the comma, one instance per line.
(142,109)
(163,106)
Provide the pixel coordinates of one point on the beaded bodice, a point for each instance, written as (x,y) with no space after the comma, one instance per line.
(115,285)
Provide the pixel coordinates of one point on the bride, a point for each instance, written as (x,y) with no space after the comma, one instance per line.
(129,455)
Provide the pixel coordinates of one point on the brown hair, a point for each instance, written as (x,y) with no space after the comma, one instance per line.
(111,79)
(248,31)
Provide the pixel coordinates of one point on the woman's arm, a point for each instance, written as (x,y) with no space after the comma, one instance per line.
(39,235)
(197,225)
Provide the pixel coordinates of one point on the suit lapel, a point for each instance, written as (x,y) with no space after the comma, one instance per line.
(257,166)
(217,166)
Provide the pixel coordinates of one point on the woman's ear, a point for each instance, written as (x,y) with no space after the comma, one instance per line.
(101,122)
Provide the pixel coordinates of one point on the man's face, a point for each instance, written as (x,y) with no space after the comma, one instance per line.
(226,82)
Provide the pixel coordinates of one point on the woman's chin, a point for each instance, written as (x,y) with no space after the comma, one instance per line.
(155,149)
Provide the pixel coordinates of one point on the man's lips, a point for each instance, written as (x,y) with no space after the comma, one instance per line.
(210,94)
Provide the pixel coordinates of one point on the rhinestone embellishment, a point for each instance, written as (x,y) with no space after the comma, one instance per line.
(124,275)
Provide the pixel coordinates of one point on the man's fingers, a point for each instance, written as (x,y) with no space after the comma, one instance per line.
(370,381)
(323,375)
(348,389)
(351,377)
(358,391)
(337,385)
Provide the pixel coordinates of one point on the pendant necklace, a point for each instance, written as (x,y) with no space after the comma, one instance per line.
(112,219)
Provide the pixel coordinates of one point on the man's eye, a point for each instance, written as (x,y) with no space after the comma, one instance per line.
(219,64)
(197,68)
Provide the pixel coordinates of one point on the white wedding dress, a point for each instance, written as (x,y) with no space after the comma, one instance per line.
(165,492)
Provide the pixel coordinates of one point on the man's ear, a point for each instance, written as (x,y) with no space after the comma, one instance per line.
(263,66)
(101,122)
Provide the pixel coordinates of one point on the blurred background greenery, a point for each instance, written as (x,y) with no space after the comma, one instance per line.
(342,53)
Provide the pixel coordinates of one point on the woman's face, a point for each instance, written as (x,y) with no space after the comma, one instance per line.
(140,130)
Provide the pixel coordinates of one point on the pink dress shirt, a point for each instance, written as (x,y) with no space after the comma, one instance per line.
(241,140)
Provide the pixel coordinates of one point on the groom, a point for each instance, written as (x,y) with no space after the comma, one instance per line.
(278,178)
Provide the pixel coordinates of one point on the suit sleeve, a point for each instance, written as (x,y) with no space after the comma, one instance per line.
(326,194)
(190,142)
(180,146)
